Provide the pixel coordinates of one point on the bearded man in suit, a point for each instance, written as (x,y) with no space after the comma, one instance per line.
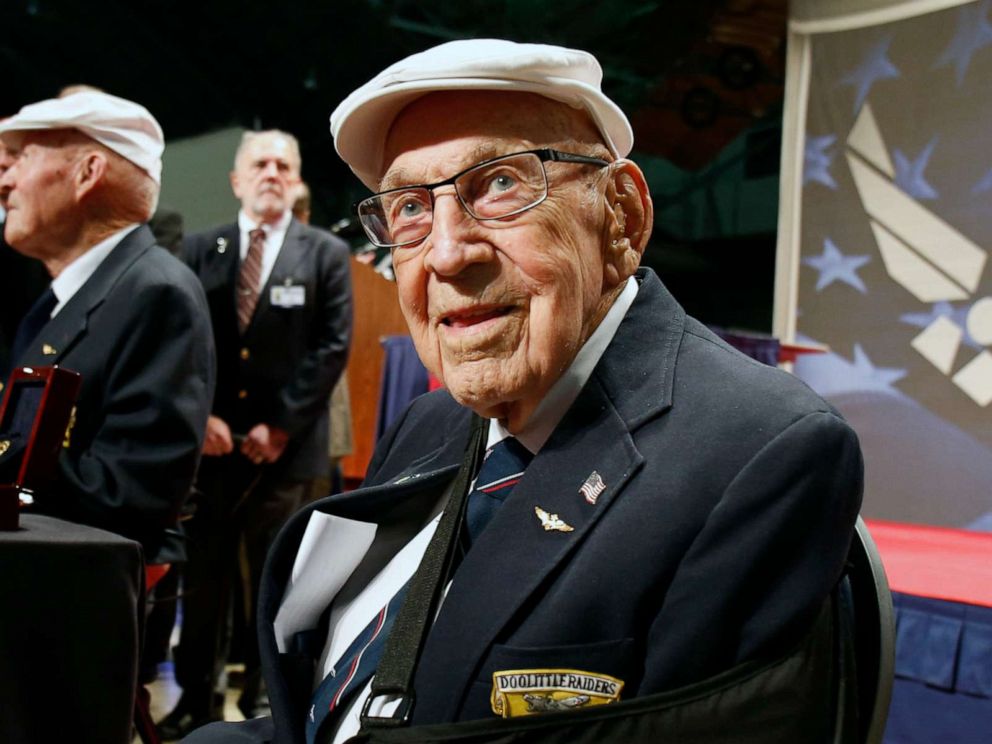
(280,305)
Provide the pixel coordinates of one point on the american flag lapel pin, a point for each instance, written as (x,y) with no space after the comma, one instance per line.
(592,487)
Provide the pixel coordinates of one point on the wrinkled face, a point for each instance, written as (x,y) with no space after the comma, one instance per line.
(265,176)
(39,192)
(498,310)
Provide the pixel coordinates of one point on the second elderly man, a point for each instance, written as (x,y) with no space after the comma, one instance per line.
(120,311)
(280,303)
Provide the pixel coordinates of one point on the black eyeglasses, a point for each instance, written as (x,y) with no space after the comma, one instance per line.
(494,189)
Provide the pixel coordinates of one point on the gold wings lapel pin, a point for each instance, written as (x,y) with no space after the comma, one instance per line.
(551,521)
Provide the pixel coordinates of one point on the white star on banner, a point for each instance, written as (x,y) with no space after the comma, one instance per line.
(984,184)
(878,377)
(909,173)
(973,33)
(876,66)
(832,375)
(835,266)
(817,160)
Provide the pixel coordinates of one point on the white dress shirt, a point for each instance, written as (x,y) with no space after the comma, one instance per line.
(74,276)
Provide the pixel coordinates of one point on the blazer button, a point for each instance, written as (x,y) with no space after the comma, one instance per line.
(242,394)
(245,354)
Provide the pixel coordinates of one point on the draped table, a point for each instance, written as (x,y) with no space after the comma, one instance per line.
(70,626)
(942,591)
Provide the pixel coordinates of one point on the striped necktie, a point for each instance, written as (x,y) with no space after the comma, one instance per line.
(501,470)
(249,278)
(355,667)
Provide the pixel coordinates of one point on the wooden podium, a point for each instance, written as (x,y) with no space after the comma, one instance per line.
(34,418)
(376,314)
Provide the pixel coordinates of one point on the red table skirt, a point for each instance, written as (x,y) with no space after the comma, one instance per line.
(936,562)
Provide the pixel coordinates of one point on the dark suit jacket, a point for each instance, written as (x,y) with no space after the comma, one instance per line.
(731,494)
(282,370)
(137,331)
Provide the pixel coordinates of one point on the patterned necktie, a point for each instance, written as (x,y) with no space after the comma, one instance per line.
(249,277)
(355,667)
(501,470)
(32,323)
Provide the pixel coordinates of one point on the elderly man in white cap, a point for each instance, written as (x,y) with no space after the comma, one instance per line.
(126,315)
(651,509)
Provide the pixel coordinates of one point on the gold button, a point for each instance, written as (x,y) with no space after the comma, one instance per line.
(242,394)
(245,354)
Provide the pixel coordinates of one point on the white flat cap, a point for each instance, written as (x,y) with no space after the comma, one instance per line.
(361,122)
(121,125)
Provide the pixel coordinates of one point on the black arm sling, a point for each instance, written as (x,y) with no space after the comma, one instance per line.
(794,697)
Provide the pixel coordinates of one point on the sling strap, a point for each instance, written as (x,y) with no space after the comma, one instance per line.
(395,672)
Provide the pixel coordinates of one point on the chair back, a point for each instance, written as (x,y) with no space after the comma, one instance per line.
(872,638)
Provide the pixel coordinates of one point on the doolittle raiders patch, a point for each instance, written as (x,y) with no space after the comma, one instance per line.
(526,692)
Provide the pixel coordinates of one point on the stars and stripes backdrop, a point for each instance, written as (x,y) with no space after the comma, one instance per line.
(885,236)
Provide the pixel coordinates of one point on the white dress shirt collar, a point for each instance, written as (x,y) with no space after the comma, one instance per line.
(563,393)
(74,276)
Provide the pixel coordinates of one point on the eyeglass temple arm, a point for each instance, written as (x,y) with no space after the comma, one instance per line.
(567,157)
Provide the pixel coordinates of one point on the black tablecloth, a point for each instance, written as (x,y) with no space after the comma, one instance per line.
(69,632)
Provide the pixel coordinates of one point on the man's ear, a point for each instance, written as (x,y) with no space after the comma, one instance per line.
(235,184)
(630,218)
(90,171)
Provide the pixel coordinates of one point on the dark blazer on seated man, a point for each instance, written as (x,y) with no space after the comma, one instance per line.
(139,334)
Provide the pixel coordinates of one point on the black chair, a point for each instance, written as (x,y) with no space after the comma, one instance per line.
(866,644)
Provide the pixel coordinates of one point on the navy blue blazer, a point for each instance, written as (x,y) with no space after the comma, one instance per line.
(138,333)
(731,495)
(282,369)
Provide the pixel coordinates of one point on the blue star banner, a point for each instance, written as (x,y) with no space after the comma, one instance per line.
(893,267)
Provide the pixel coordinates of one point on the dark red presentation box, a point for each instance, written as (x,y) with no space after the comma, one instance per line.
(35,415)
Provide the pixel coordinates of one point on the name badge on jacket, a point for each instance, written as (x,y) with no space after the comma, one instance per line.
(288,296)
(525,692)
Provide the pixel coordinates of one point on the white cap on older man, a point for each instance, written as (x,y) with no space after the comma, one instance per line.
(360,124)
(123,126)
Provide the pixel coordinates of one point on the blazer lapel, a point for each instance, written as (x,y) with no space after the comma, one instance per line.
(61,334)
(219,268)
(226,256)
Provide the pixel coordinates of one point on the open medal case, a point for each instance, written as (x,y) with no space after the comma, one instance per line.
(35,414)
